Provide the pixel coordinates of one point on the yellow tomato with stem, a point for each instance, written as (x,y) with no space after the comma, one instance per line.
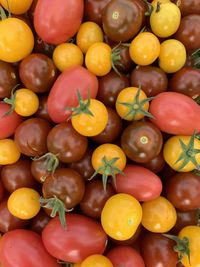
(16,6)
(88,34)
(67,55)
(132,104)
(172,55)
(159,215)
(144,49)
(24,203)
(9,153)
(96,260)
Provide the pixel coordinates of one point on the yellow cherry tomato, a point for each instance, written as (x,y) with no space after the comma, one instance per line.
(159,215)
(92,123)
(96,261)
(88,34)
(16,40)
(132,104)
(121,216)
(165,19)
(144,49)
(192,233)
(16,6)
(24,203)
(98,59)
(179,153)
(9,152)
(172,55)
(67,55)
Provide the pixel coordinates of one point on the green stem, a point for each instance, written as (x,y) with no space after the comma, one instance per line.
(2,14)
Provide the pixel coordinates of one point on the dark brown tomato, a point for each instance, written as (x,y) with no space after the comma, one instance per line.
(42,47)
(185,218)
(186,81)
(112,130)
(8,79)
(122,20)
(189,32)
(152,79)
(2,190)
(157,251)
(109,87)
(190,62)
(65,142)
(37,72)
(95,198)
(17,175)
(42,111)
(39,169)
(67,185)
(188,7)
(141,141)
(7,221)
(31,137)
(183,191)
(93,10)
(84,165)
(156,164)
(38,223)
(32,10)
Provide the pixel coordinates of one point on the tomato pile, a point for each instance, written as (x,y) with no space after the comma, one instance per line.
(99,133)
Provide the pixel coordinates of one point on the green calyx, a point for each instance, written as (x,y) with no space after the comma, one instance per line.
(57,207)
(136,106)
(107,169)
(11,101)
(2,14)
(116,57)
(196,58)
(149,8)
(181,247)
(188,153)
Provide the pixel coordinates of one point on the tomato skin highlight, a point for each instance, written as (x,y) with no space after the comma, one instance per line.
(175,113)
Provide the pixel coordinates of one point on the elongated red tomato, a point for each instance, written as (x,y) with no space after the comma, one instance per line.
(56,21)
(8,123)
(24,248)
(64,92)
(82,237)
(175,113)
(139,182)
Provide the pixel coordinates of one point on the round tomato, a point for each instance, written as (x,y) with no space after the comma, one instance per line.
(12,255)
(182,153)
(159,215)
(96,261)
(172,56)
(144,49)
(24,203)
(121,216)
(16,7)
(51,22)
(9,152)
(67,55)
(63,94)
(88,34)
(16,40)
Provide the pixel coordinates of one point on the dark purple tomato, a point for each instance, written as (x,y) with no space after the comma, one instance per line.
(157,251)
(188,7)
(189,32)
(186,81)
(7,221)
(122,20)
(84,165)
(2,190)
(8,79)
(109,87)
(31,136)
(32,10)
(183,191)
(156,164)
(112,130)
(38,223)
(93,10)
(95,198)
(42,47)
(185,218)
(67,185)
(37,72)
(141,141)
(65,142)
(42,111)
(152,79)
(39,169)
(17,175)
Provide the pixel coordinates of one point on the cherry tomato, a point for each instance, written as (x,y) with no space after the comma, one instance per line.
(185,218)
(38,223)
(159,215)
(96,261)
(121,216)
(24,203)
(42,111)
(16,7)
(144,49)
(188,7)
(9,153)
(156,164)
